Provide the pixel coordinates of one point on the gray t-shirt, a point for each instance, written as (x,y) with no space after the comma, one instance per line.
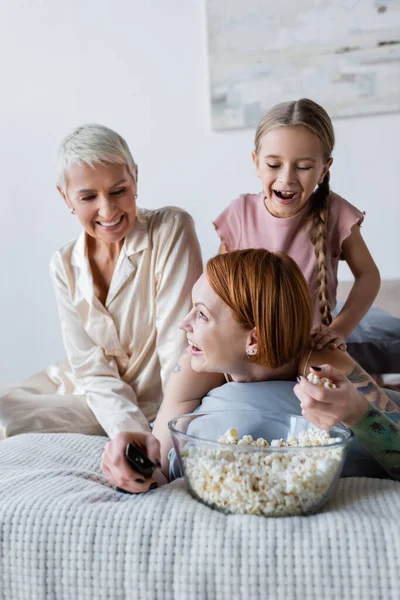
(274,396)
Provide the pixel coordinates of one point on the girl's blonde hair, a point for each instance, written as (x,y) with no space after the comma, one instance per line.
(93,144)
(266,291)
(309,114)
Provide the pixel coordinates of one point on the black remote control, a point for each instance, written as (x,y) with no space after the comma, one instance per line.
(139,461)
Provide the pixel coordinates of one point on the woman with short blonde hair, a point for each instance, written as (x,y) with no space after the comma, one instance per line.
(121,288)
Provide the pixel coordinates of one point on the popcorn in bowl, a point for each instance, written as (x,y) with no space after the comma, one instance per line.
(246,475)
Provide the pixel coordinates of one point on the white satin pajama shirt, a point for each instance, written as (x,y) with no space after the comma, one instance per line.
(119,356)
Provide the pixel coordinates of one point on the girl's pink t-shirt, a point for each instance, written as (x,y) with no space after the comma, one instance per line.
(246,223)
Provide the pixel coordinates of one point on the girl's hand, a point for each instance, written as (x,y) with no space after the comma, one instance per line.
(322,336)
(326,407)
(120,473)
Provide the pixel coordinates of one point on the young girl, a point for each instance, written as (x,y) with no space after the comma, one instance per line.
(297,213)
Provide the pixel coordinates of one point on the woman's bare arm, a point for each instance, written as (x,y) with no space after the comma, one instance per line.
(378,432)
(184,392)
(363,382)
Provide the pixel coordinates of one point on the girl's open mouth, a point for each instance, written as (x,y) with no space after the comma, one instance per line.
(284,195)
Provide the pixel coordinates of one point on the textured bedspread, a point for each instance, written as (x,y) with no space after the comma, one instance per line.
(66,535)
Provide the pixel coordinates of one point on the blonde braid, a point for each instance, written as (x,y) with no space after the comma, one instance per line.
(319,215)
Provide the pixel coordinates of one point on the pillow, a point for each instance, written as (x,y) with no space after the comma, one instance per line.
(375,342)
(274,396)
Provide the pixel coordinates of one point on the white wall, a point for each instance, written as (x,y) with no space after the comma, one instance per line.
(139,67)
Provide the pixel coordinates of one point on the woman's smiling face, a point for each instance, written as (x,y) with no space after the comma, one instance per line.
(290,164)
(217,342)
(104,198)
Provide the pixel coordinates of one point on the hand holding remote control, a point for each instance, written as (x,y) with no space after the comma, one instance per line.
(131,460)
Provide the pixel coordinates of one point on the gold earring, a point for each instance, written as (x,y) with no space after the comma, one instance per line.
(72,211)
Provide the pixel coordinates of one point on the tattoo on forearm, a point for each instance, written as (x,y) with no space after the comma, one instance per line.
(381,437)
(357,375)
(373,413)
(368,388)
(178,368)
(364,385)
(371,390)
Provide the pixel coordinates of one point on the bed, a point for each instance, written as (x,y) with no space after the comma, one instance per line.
(375,343)
(65,534)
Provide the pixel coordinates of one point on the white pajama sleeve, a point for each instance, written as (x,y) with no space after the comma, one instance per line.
(179,265)
(112,401)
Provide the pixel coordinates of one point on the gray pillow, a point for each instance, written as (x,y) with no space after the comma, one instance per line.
(375,342)
(275,396)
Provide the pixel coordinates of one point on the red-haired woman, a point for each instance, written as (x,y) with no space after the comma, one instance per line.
(250,321)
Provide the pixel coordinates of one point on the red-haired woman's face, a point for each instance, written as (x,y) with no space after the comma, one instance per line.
(217,342)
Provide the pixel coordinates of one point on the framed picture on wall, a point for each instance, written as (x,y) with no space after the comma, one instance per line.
(343,54)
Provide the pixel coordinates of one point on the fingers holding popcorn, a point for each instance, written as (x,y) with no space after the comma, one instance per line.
(327,398)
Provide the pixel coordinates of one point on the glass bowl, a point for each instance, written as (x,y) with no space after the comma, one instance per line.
(258,479)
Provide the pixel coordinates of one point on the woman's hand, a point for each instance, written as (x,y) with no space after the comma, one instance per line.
(326,407)
(120,473)
(322,336)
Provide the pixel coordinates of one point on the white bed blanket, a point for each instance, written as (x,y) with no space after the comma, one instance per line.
(66,535)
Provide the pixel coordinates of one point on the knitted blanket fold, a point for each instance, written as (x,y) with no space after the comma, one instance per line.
(66,535)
